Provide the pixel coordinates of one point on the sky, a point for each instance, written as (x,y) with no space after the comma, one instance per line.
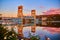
(10,7)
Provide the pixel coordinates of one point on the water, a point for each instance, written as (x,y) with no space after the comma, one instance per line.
(42,32)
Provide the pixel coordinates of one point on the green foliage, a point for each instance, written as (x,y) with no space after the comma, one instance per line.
(3,32)
(8,35)
(34,38)
(12,35)
(37,37)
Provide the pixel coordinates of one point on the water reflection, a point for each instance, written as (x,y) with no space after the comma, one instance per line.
(42,32)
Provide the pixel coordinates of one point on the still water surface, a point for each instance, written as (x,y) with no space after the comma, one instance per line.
(42,32)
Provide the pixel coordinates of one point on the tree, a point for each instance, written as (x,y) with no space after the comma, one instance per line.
(11,35)
(3,32)
(37,37)
(34,38)
(7,35)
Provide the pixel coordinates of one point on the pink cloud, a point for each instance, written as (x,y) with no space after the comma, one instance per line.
(52,11)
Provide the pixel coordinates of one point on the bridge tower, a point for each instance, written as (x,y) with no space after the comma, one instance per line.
(20,15)
(33,13)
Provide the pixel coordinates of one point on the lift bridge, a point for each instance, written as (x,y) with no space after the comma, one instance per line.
(42,20)
(12,21)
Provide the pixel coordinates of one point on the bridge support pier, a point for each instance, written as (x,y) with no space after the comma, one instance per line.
(33,28)
(20,15)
